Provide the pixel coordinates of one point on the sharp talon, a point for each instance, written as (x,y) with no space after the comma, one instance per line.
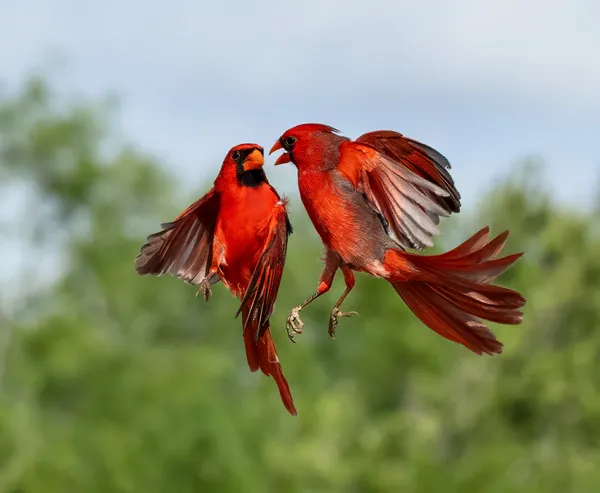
(333,320)
(205,287)
(294,324)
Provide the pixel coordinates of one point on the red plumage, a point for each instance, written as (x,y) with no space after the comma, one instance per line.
(371,198)
(237,233)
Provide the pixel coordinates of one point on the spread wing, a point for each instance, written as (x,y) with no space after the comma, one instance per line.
(183,248)
(420,159)
(401,190)
(259,298)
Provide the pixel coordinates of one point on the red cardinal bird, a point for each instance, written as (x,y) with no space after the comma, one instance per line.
(237,233)
(370,198)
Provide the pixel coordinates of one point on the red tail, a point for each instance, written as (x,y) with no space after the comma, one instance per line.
(450,292)
(262,354)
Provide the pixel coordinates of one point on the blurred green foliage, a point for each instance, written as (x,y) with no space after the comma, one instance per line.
(112,382)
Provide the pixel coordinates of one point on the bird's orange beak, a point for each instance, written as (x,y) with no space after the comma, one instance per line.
(255,160)
(284,158)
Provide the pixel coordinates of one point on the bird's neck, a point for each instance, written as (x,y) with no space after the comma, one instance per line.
(322,154)
(252,178)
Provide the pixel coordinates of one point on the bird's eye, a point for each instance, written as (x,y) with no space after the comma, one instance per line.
(289,142)
(235,155)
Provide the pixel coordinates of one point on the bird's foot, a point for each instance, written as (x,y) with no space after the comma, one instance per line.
(333,320)
(205,287)
(294,324)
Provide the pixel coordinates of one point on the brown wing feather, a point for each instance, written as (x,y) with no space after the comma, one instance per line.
(261,293)
(420,159)
(409,202)
(184,247)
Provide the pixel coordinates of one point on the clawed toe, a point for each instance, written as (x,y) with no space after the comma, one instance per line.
(204,287)
(294,324)
(333,320)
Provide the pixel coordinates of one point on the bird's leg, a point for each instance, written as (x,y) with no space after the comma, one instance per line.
(294,324)
(206,283)
(335,313)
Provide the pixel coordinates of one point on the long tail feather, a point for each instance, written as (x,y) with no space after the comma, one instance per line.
(451,294)
(262,354)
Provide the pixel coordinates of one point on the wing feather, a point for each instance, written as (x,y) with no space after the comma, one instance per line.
(411,204)
(406,181)
(419,158)
(183,248)
(262,290)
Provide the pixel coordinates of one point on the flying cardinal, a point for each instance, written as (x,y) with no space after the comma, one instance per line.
(237,233)
(371,198)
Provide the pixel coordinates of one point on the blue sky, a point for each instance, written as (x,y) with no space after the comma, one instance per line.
(485,83)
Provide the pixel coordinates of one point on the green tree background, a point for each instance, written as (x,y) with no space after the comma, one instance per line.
(110,382)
